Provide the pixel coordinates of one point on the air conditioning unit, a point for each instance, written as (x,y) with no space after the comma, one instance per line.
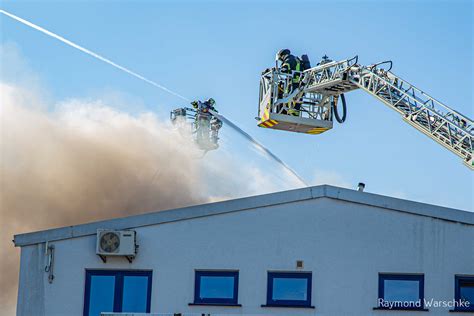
(121,243)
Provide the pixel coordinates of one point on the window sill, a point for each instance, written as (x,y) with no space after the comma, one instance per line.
(289,306)
(461,311)
(215,304)
(401,309)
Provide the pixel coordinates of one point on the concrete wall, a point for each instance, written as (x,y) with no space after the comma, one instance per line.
(344,244)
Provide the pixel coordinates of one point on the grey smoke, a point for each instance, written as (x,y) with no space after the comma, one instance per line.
(153,83)
(87,161)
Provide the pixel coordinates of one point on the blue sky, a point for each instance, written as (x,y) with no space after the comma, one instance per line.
(218,48)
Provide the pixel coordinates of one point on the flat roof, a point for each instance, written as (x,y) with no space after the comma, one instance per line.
(241,204)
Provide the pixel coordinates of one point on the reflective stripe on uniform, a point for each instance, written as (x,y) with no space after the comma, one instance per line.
(298,65)
(296,77)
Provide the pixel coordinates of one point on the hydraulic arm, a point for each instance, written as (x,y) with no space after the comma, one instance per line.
(322,86)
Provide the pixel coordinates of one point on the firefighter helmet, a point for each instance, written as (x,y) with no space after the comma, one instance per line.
(211,102)
(282,53)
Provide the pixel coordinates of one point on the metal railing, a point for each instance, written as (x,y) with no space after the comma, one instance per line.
(327,78)
(277,95)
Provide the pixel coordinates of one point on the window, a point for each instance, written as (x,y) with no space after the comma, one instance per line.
(464,292)
(401,291)
(289,289)
(117,291)
(216,288)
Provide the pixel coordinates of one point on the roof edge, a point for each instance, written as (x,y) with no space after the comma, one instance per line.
(401,205)
(241,204)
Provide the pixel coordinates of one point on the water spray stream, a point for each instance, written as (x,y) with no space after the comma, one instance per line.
(91,53)
(267,152)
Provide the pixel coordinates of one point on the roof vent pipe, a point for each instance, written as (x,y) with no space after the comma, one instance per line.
(361,187)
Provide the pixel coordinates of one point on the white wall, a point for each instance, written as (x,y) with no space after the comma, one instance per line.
(344,244)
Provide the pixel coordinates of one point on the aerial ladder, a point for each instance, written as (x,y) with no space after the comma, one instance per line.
(322,87)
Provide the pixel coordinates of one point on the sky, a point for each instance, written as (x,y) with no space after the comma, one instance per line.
(218,49)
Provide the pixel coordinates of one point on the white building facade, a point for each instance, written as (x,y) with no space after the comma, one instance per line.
(314,251)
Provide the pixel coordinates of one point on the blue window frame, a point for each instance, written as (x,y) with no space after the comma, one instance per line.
(117,291)
(216,288)
(289,289)
(464,292)
(401,291)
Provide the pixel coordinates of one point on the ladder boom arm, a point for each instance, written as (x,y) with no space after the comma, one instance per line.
(441,123)
(433,118)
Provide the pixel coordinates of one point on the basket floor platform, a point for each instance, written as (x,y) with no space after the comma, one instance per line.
(295,124)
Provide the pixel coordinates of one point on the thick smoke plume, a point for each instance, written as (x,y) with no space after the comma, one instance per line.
(85,161)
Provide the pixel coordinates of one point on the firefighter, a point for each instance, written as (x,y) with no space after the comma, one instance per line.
(291,65)
(205,106)
(207,126)
(210,103)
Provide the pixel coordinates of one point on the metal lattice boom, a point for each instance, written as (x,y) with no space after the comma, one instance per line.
(321,86)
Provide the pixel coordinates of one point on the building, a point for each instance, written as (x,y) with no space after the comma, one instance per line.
(314,251)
